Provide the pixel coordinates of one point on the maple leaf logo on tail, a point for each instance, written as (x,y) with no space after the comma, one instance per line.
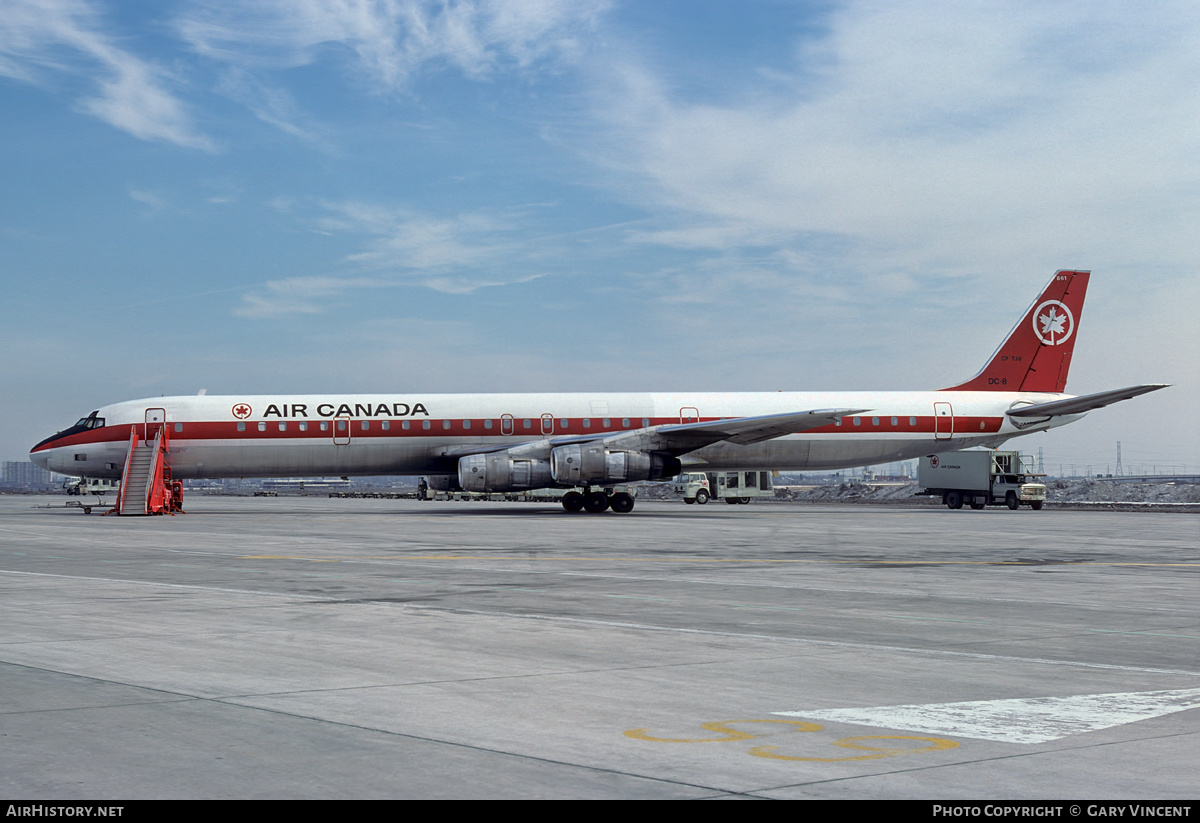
(1052,323)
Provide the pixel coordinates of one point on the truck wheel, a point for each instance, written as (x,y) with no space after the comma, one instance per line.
(733,501)
(1012,501)
(1036,505)
(953,500)
(689,501)
(702,497)
(977,504)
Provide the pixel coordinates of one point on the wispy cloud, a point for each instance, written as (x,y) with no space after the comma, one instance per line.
(153,201)
(401,247)
(939,133)
(456,254)
(388,41)
(405,239)
(43,38)
(297,295)
(273,105)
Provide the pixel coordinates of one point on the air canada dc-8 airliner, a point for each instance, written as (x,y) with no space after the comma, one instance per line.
(590,442)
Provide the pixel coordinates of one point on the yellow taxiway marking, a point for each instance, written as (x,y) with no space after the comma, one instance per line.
(879,752)
(728,734)
(723,728)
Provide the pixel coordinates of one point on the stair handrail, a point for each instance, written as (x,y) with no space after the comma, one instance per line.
(133,442)
(154,481)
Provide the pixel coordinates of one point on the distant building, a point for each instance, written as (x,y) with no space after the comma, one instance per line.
(25,475)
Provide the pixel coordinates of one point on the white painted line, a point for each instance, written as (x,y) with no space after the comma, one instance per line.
(1026,720)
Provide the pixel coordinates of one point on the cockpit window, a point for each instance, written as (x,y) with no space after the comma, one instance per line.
(92,421)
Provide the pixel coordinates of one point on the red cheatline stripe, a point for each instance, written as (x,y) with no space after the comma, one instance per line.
(229,431)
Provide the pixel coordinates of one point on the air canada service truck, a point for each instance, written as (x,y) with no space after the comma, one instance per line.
(980,478)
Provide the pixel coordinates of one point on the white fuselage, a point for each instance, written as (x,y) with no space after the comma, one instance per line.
(408,434)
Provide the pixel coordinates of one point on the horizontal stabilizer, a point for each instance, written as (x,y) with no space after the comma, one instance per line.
(1079,405)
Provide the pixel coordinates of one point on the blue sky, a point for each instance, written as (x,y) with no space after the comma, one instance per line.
(398,195)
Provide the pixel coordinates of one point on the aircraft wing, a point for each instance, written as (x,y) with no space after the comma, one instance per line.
(685,437)
(1084,403)
(679,438)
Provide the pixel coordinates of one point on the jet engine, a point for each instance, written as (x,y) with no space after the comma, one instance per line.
(502,472)
(593,463)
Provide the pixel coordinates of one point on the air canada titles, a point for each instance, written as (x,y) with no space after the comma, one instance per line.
(301,410)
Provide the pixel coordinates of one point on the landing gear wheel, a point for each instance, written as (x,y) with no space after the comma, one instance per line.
(621,502)
(953,500)
(572,501)
(702,497)
(595,502)
(1012,501)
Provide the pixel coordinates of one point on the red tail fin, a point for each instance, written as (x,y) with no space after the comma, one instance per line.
(1037,352)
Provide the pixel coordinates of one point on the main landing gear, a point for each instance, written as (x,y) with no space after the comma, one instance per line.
(595,502)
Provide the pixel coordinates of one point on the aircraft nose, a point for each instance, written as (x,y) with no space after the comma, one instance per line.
(41,459)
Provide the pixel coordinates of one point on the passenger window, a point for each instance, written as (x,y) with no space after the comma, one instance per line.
(178,427)
(445,424)
(645,422)
(895,421)
(528,423)
(858,421)
(385,425)
(912,421)
(283,427)
(624,422)
(404,424)
(487,424)
(365,425)
(303,427)
(425,424)
(324,425)
(607,422)
(874,421)
(466,424)
(241,427)
(262,427)
(587,423)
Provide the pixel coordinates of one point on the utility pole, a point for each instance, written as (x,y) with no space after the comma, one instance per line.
(1119,471)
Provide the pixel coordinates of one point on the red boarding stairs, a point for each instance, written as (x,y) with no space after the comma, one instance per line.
(147,486)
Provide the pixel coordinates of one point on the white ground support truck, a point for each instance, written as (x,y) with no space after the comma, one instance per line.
(980,478)
(732,487)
